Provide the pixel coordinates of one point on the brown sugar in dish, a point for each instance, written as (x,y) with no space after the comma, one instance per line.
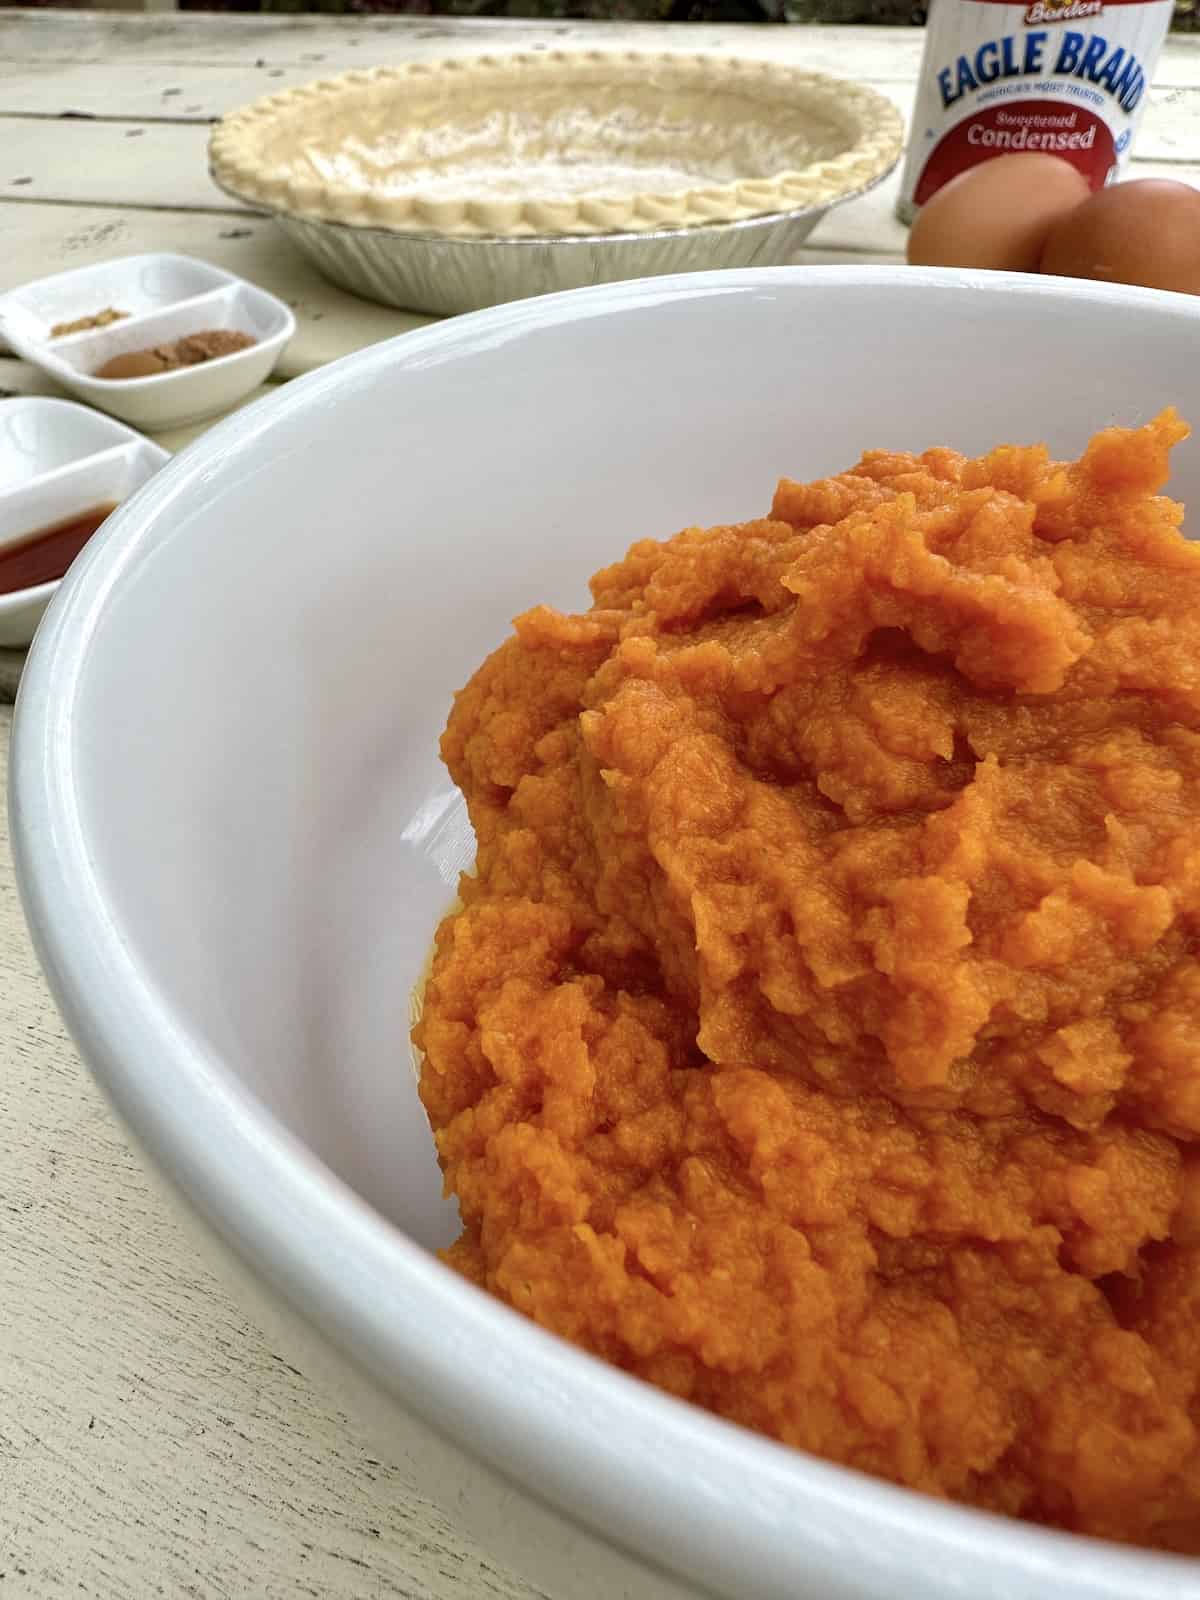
(818,1037)
(189,351)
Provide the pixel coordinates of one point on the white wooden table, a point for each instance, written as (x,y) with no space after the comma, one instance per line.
(151,1444)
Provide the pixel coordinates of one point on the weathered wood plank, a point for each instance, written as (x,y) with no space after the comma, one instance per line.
(149,163)
(330,44)
(150,1440)
(330,323)
(128,163)
(39,239)
(11,663)
(199,92)
(134,91)
(19,378)
(36,240)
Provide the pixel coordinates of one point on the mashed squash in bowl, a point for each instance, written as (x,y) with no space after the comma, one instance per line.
(818,1035)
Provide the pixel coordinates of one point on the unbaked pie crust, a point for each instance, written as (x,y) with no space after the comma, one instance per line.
(555,142)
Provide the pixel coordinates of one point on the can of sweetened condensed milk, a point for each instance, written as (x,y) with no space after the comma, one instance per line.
(1064,77)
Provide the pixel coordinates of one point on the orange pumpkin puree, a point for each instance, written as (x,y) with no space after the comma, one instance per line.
(818,1037)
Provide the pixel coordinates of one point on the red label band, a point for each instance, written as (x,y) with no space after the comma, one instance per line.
(1047,127)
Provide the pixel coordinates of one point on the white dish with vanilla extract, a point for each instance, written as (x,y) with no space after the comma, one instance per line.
(63,468)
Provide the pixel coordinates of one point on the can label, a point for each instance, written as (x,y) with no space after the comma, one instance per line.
(1063,77)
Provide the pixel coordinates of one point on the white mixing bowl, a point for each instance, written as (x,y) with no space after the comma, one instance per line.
(234,840)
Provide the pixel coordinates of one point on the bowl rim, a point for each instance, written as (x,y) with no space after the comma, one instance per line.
(748,1517)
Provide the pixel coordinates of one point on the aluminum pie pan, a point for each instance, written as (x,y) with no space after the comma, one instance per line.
(443,275)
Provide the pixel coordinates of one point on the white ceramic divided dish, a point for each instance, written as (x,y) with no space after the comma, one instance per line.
(57,461)
(166,297)
(232,893)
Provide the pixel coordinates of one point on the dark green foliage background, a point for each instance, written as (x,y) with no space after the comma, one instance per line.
(1187,12)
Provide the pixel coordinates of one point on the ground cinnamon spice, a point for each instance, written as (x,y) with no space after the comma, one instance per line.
(186,352)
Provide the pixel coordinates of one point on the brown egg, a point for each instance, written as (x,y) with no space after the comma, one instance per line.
(998,214)
(1146,232)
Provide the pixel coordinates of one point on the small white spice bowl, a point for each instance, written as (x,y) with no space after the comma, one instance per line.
(165,297)
(59,461)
